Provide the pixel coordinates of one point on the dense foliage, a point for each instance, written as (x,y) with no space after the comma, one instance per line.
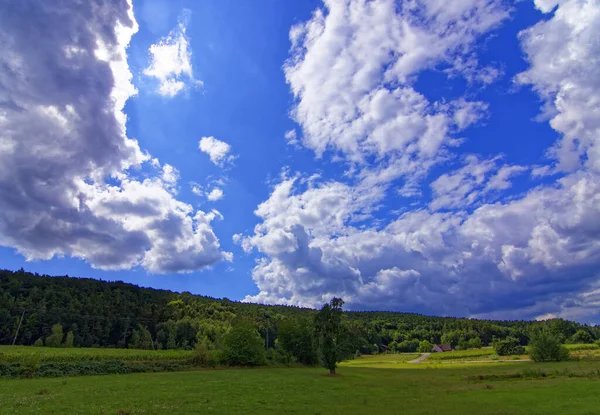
(243,346)
(509,346)
(546,347)
(94,313)
(328,329)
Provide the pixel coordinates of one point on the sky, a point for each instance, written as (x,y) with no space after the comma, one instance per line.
(419,155)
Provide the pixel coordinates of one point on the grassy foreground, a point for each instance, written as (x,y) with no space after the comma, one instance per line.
(482,389)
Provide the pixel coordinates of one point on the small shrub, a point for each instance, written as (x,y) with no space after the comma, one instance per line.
(56,338)
(39,343)
(508,347)
(69,340)
(545,347)
(203,356)
(474,343)
(276,355)
(533,373)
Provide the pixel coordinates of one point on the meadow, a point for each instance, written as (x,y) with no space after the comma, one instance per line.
(363,386)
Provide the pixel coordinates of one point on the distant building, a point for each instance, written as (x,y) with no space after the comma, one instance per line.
(439,348)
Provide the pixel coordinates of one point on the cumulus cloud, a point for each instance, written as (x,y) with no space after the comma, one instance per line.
(468,185)
(215,194)
(564,57)
(501,256)
(67,167)
(532,255)
(218,151)
(170,61)
(351,70)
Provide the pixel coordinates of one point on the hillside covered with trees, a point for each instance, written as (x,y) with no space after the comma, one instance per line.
(93,313)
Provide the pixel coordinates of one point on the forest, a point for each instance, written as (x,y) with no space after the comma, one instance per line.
(80,312)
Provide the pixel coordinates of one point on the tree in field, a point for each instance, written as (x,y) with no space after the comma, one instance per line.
(508,347)
(328,324)
(55,339)
(425,346)
(545,346)
(141,339)
(39,343)
(69,340)
(474,343)
(581,337)
(243,346)
(296,337)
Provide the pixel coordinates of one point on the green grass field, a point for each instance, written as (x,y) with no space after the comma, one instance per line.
(16,354)
(463,354)
(419,389)
(383,384)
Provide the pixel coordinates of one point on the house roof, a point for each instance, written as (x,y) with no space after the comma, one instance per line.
(445,347)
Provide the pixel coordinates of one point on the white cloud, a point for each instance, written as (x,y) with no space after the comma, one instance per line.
(469,184)
(351,70)
(170,61)
(197,190)
(502,256)
(291,138)
(468,67)
(217,150)
(564,57)
(67,167)
(215,194)
(170,177)
(501,181)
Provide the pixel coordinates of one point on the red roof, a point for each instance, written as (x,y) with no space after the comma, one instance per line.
(445,347)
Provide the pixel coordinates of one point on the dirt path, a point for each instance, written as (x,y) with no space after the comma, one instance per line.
(420,359)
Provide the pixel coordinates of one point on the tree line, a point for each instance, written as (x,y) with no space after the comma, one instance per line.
(95,313)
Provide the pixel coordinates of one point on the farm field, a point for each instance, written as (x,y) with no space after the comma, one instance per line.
(15,354)
(491,389)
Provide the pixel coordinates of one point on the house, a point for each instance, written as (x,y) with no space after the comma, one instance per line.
(442,348)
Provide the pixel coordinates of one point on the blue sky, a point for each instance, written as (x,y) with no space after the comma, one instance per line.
(406,155)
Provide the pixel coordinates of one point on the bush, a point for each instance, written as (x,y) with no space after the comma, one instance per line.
(204,357)
(243,346)
(408,346)
(276,355)
(581,337)
(297,338)
(545,347)
(508,346)
(474,343)
(69,340)
(141,339)
(55,339)
(425,347)
(39,343)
